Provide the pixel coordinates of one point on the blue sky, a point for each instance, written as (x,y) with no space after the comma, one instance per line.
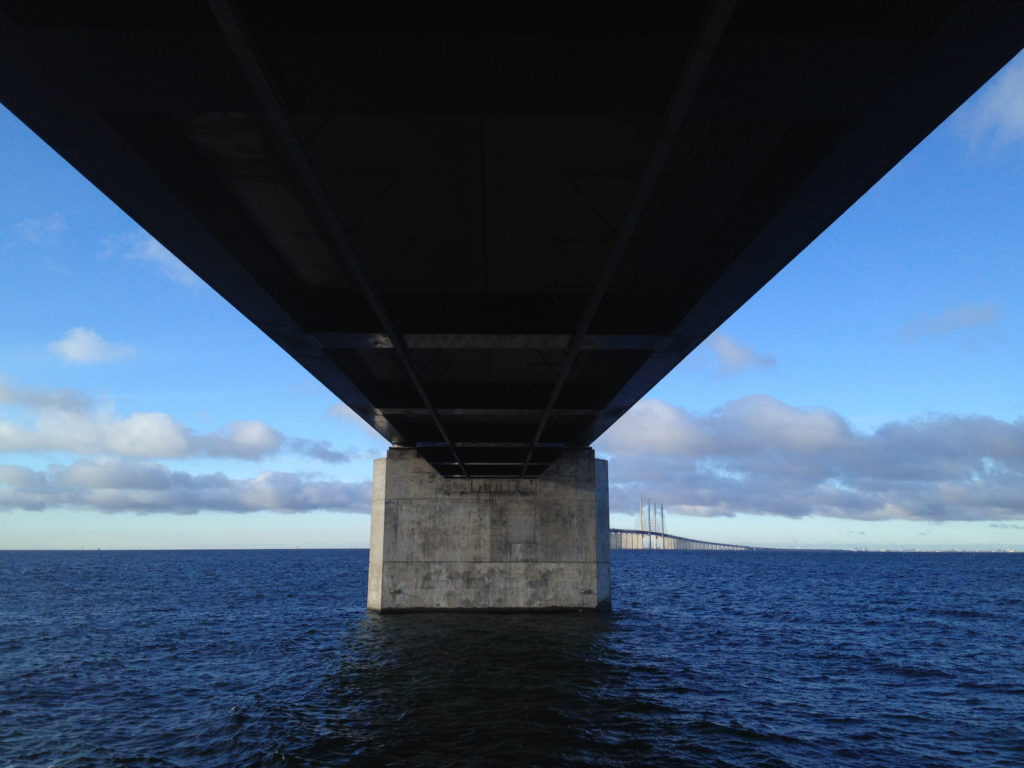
(872,395)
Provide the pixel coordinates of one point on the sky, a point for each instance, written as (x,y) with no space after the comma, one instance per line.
(870,396)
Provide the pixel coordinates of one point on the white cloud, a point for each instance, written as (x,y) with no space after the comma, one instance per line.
(141,434)
(81,345)
(955,319)
(68,421)
(759,455)
(109,484)
(995,117)
(733,357)
(140,246)
(243,439)
(655,427)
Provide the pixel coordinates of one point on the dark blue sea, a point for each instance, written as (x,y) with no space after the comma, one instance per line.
(268,658)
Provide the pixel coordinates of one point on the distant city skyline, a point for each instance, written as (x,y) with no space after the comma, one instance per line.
(869,397)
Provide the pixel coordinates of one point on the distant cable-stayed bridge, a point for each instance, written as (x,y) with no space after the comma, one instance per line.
(650,534)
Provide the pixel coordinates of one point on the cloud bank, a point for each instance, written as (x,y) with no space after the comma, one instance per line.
(112,484)
(69,421)
(758,455)
(116,471)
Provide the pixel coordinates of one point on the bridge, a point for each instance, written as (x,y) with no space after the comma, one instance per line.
(636,538)
(490,246)
(650,533)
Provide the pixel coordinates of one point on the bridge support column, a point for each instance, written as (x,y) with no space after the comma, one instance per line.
(528,544)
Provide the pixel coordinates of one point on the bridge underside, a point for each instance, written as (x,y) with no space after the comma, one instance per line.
(490,247)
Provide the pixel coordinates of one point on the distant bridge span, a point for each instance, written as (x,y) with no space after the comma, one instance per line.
(628,538)
(490,246)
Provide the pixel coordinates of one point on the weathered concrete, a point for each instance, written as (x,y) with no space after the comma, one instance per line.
(537,543)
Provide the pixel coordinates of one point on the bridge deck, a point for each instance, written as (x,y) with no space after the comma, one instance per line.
(490,247)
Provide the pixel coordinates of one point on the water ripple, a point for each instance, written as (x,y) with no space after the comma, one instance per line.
(180,659)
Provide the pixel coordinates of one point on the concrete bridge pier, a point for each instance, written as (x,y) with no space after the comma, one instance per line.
(516,544)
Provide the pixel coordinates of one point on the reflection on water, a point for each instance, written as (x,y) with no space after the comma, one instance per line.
(480,688)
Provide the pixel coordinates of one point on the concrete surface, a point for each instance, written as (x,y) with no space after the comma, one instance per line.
(536,543)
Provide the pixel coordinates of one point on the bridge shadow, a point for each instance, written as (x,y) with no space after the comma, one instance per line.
(481,689)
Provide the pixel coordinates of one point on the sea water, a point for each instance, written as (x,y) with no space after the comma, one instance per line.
(269,658)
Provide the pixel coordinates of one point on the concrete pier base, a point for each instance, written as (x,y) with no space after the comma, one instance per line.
(517,544)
